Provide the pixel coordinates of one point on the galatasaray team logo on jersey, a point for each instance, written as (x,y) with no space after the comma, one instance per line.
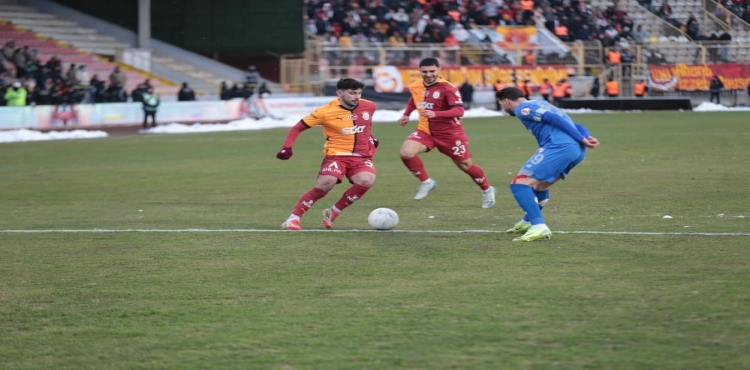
(366,116)
(436,94)
(353,117)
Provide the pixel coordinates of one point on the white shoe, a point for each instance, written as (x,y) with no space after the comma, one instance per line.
(425,188)
(488,197)
(291,225)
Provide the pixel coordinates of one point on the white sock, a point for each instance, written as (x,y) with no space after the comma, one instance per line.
(293,217)
(427,181)
(335,209)
(540,226)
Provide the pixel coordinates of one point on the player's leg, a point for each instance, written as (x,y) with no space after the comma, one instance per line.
(322,187)
(531,187)
(418,142)
(328,176)
(459,152)
(536,229)
(477,175)
(362,176)
(541,192)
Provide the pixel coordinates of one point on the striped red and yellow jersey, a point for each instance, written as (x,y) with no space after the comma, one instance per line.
(440,96)
(347,132)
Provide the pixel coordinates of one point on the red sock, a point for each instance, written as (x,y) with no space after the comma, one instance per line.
(307,200)
(477,174)
(416,166)
(350,196)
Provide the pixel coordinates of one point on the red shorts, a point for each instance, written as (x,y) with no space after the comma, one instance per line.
(340,166)
(455,146)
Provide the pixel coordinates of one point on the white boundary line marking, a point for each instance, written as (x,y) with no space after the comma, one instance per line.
(349,231)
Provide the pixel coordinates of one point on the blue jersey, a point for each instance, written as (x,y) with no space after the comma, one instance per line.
(548,124)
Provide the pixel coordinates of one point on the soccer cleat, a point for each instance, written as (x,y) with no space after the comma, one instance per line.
(521,227)
(488,197)
(291,225)
(535,234)
(329,215)
(425,188)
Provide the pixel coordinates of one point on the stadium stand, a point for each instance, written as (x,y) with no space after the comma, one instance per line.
(42,37)
(351,37)
(168,65)
(50,26)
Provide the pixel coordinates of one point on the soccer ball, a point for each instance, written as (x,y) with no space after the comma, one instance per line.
(383,219)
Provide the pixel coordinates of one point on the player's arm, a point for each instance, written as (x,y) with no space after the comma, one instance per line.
(582,129)
(561,123)
(453,100)
(410,107)
(589,140)
(455,111)
(286,149)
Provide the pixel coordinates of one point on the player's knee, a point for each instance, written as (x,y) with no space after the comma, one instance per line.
(368,183)
(407,152)
(463,166)
(411,149)
(326,186)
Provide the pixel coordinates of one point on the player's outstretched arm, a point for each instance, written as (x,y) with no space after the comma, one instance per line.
(284,154)
(286,149)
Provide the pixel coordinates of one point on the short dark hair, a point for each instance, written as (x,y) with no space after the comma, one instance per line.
(349,84)
(427,62)
(511,93)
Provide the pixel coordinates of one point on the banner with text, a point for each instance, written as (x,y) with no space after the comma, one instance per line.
(490,75)
(50,117)
(697,77)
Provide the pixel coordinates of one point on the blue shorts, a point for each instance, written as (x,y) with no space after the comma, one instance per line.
(549,163)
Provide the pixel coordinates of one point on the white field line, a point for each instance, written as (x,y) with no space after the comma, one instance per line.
(350,231)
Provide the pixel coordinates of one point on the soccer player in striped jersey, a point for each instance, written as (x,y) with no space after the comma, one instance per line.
(440,111)
(562,145)
(349,151)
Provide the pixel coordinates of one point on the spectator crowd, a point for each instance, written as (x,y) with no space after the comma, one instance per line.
(452,22)
(43,83)
(27,80)
(399,22)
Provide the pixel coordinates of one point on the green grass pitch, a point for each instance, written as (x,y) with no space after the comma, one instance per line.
(632,291)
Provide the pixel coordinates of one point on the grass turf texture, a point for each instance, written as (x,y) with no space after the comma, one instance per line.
(377,300)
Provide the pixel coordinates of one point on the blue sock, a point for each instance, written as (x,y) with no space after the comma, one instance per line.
(526,199)
(542,196)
